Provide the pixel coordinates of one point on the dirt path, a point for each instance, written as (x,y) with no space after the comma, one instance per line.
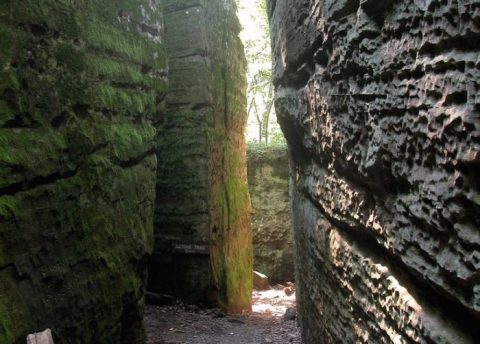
(183,324)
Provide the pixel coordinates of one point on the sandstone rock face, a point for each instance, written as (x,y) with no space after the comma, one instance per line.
(379,103)
(80,84)
(202,219)
(271,225)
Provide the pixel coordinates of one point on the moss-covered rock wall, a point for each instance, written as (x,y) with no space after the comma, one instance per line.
(271,224)
(203,247)
(229,206)
(80,84)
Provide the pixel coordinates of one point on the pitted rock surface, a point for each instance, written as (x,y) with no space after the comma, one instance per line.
(379,103)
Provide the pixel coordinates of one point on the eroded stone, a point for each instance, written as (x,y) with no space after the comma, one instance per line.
(380,111)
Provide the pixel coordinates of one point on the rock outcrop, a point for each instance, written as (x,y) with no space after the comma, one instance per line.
(379,103)
(203,249)
(80,84)
(271,225)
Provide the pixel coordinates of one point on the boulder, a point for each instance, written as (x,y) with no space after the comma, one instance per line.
(290,314)
(260,281)
(44,337)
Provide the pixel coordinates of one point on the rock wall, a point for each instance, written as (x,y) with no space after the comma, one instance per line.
(80,84)
(203,247)
(379,103)
(271,224)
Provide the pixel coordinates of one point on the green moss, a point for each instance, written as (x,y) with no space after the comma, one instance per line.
(99,161)
(124,73)
(135,10)
(72,58)
(87,187)
(266,150)
(231,206)
(127,140)
(34,150)
(179,169)
(238,248)
(13,320)
(8,206)
(18,147)
(6,113)
(239,277)
(273,155)
(125,44)
(9,80)
(6,45)
(125,101)
(223,150)
(7,328)
(117,220)
(238,198)
(61,15)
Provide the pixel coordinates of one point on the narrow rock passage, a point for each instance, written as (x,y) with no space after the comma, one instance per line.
(187,324)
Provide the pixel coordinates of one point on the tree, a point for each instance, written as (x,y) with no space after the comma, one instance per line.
(261,92)
(256,38)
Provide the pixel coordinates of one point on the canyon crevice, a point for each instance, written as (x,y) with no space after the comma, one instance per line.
(123,166)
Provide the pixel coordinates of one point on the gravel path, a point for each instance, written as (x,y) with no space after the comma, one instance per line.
(184,324)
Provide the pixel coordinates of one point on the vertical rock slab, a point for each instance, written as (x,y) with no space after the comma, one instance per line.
(80,84)
(271,220)
(379,103)
(203,249)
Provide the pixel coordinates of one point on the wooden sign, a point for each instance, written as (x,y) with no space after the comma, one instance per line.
(191,249)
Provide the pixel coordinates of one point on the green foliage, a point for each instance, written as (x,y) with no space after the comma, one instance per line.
(255,147)
(277,138)
(256,38)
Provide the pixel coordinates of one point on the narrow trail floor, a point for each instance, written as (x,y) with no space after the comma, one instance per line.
(184,324)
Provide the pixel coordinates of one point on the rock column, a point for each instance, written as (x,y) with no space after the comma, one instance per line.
(203,249)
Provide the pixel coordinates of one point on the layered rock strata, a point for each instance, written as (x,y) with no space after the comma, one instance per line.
(203,250)
(80,84)
(379,103)
(271,225)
